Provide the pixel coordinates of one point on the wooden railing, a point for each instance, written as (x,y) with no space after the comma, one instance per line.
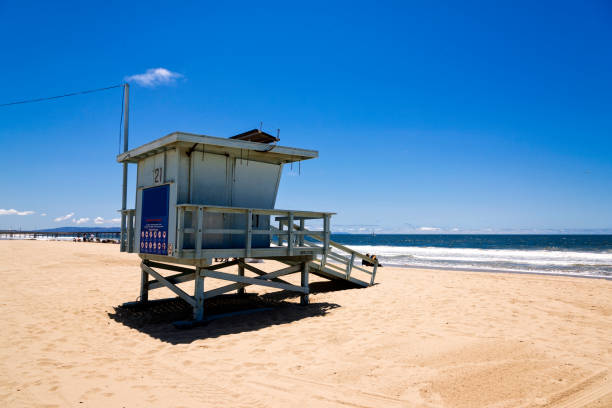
(294,237)
(343,255)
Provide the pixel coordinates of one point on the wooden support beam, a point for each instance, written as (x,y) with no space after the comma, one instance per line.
(169,267)
(304,281)
(224,289)
(198,307)
(274,275)
(184,275)
(144,286)
(251,267)
(169,285)
(184,271)
(174,279)
(293,259)
(268,276)
(251,281)
(241,273)
(290,243)
(222,265)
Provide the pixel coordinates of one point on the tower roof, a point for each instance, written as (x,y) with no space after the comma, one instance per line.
(255,151)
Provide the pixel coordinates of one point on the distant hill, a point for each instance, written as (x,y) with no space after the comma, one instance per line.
(81,229)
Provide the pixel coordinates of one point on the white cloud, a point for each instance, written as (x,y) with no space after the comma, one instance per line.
(13,211)
(154,77)
(429,229)
(101,220)
(64,217)
(80,220)
(43,214)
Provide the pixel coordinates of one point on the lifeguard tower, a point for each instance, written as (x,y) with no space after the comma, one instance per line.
(200,197)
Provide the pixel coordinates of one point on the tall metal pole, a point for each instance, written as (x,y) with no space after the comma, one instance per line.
(126,122)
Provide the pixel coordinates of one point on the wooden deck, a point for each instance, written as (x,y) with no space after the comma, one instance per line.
(303,251)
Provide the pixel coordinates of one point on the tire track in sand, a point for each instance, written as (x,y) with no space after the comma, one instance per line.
(584,393)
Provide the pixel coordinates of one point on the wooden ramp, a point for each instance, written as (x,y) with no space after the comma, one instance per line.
(338,262)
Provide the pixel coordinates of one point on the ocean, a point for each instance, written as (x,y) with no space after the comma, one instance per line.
(581,255)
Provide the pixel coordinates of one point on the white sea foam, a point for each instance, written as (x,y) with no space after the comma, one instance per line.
(547,261)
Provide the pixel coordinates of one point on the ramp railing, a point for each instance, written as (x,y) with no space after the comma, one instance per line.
(338,258)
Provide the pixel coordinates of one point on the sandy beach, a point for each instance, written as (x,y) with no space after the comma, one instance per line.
(419,338)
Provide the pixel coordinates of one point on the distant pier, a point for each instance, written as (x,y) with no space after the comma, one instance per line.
(96,235)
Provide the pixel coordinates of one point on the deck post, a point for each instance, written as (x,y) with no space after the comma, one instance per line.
(325,239)
(249,232)
(198,230)
(144,284)
(374,273)
(180,231)
(240,291)
(280,236)
(304,298)
(290,236)
(198,309)
(301,238)
(349,266)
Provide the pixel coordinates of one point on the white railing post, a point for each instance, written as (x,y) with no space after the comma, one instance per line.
(301,238)
(280,236)
(325,239)
(180,231)
(349,266)
(290,236)
(249,232)
(198,231)
(374,273)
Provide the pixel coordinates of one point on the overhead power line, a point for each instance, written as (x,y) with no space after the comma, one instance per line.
(61,96)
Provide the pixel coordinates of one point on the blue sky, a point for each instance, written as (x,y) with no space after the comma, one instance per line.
(428,116)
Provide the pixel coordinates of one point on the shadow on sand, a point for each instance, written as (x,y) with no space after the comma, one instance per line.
(156,317)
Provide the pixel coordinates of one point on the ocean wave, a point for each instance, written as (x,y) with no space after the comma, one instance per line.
(545,261)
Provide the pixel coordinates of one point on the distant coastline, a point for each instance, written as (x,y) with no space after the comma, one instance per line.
(80,229)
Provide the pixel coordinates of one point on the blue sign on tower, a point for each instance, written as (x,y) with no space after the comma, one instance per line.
(154,220)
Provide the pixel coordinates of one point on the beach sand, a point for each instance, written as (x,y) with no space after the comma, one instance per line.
(419,338)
